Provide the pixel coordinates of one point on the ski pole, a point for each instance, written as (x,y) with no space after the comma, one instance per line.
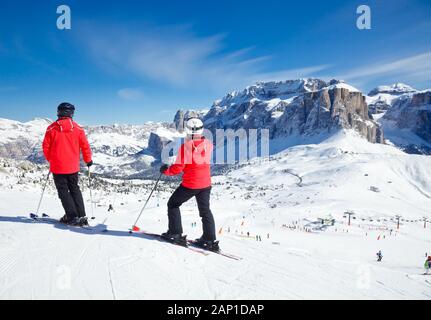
(43,192)
(134,227)
(91,194)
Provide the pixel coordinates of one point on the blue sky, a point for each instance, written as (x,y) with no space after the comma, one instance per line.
(135,61)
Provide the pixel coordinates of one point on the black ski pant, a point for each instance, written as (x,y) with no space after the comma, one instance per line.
(183,194)
(70,194)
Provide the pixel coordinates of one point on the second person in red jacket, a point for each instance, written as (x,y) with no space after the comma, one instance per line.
(193,161)
(64,142)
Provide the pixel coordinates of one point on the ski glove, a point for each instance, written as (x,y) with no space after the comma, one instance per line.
(89,164)
(164,168)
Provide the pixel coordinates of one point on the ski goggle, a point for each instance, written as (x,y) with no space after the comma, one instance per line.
(195,128)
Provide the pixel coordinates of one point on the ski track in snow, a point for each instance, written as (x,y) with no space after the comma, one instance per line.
(110,280)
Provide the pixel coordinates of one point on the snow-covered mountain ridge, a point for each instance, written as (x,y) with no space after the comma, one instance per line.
(311,107)
(380,99)
(294,111)
(114,146)
(304,107)
(408,122)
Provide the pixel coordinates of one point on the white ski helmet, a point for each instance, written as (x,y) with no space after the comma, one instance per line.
(194,126)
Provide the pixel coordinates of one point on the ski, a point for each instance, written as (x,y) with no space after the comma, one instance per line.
(35,216)
(44,217)
(221,253)
(47,219)
(191,246)
(159,237)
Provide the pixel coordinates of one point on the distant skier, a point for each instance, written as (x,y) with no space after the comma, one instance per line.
(193,160)
(427,265)
(64,141)
(111,208)
(379,256)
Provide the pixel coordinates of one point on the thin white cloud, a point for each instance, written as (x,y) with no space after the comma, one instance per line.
(415,68)
(174,55)
(130,94)
(290,74)
(166,111)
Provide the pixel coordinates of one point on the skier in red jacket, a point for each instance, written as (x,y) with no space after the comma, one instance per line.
(193,161)
(64,141)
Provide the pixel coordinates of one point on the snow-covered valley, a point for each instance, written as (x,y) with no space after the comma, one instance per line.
(276,213)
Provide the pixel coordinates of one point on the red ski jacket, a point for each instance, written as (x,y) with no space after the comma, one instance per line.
(193,160)
(63,143)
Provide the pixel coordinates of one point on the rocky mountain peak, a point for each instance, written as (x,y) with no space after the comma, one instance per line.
(381,99)
(270,90)
(408,122)
(294,107)
(394,89)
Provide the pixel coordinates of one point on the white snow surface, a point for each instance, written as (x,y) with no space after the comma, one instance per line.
(381,97)
(342,85)
(267,197)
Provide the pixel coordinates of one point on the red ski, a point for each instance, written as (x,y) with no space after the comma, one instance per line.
(227,255)
(159,237)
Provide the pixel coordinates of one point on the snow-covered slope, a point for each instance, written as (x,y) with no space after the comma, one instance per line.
(278,201)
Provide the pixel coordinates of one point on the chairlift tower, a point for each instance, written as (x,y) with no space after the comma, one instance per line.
(398,217)
(350,214)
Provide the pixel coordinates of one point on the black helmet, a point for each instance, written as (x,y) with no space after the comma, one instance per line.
(65,109)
